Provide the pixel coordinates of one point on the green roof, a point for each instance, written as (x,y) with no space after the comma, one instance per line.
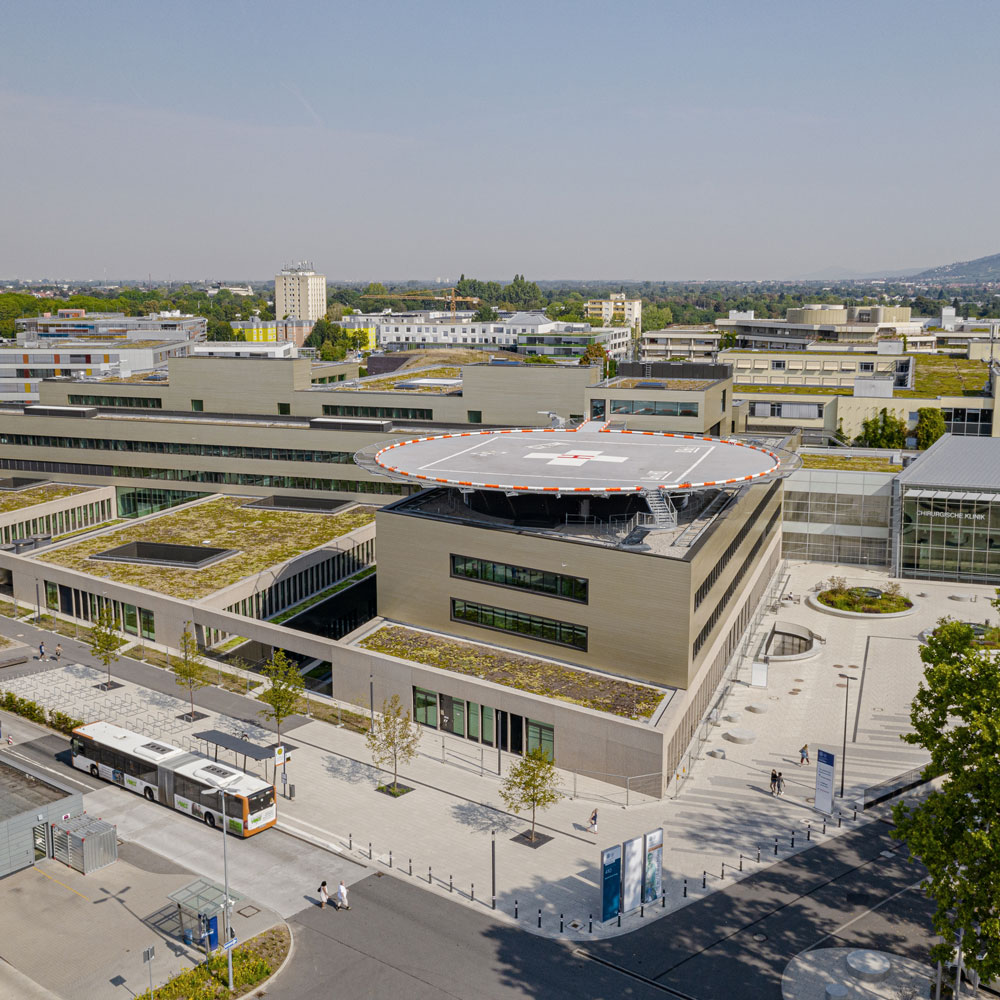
(35,495)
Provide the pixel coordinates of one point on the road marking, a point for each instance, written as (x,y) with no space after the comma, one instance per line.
(580,953)
(454,454)
(63,884)
(59,774)
(687,472)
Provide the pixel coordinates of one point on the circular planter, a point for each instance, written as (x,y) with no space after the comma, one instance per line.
(813,601)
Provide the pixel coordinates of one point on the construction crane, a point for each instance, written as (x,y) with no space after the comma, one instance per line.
(453,298)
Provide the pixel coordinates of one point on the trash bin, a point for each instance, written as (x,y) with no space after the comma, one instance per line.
(291,791)
(189,936)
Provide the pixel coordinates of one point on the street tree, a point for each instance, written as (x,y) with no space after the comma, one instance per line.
(393,737)
(595,354)
(104,641)
(952,830)
(531,783)
(189,670)
(285,687)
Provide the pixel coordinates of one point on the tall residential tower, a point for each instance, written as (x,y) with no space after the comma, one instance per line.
(299,292)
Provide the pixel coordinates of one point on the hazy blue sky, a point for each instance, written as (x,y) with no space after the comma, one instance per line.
(666,139)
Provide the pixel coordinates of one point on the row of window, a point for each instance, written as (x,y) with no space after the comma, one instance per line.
(381,412)
(82,604)
(714,617)
(652,407)
(142,769)
(482,724)
(61,522)
(702,592)
(179,448)
(137,402)
(789,411)
(572,588)
(533,626)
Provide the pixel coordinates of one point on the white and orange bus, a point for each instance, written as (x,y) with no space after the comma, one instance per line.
(190,782)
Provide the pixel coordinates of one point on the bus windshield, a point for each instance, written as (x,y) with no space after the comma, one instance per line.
(260,800)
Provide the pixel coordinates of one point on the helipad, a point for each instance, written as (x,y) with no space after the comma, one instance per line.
(551,460)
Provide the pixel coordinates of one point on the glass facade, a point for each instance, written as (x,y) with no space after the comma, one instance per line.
(572,588)
(138,402)
(382,412)
(968,421)
(950,536)
(655,407)
(533,626)
(482,723)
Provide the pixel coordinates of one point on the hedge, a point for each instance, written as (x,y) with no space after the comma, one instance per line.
(34,712)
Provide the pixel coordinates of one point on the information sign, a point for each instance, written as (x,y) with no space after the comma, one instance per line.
(632,871)
(652,879)
(611,882)
(824,781)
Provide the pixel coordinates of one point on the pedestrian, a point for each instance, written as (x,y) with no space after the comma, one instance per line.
(41,651)
(324,896)
(804,754)
(342,903)
(774,781)
(58,651)
(592,827)
(10,740)
(780,784)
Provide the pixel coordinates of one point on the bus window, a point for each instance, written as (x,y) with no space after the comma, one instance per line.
(260,800)
(78,748)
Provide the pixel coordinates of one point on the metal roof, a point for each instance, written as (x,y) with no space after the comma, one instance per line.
(203,896)
(227,741)
(965,462)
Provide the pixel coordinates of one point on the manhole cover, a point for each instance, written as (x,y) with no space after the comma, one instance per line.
(759,937)
(810,799)
(575,924)
(249,911)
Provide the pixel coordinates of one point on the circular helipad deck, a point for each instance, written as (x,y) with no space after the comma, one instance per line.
(560,461)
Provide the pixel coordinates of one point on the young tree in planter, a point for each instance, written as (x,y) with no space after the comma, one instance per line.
(189,670)
(953,829)
(103,641)
(282,694)
(393,738)
(531,782)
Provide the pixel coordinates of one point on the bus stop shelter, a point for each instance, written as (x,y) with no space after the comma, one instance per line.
(238,745)
(202,901)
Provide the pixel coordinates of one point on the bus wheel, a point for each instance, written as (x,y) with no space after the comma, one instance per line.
(209,819)
(148,793)
(93,770)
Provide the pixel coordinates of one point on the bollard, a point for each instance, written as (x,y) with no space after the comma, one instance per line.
(560,923)
(723,871)
(451,887)
(809,831)
(840,819)
(642,909)
(663,897)
(442,749)
(855,814)
(591,931)
(824,827)
(685,888)
(411,866)
(515,909)
(539,918)
(793,838)
(350,841)
(758,854)
(741,862)
(472,894)
(704,875)
(390,859)
(369,850)
(775,846)
(428,874)
(619,918)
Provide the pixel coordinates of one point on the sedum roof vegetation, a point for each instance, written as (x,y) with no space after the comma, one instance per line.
(852,463)
(36,495)
(516,670)
(803,390)
(941,375)
(388,383)
(263,537)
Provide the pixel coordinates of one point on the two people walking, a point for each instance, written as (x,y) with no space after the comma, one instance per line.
(777,783)
(340,903)
(56,655)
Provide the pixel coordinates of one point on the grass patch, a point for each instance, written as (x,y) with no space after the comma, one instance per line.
(354,721)
(803,390)
(5,642)
(297,609)
(942,375)
(263,537)
(230,644)
(863,600)
(36,495)
(83,531)
(551,680)
(388,382)
(8,611)
(70,629)
(214,675)
(253,962)
(856,463)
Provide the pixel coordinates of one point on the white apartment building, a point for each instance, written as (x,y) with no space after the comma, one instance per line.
(616,307)
(78,324)
(22,367)
(241,349)
(688,343)
(299,292)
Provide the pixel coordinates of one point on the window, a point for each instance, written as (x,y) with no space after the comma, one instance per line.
(198,405)
(425,706)
(777,366)
(475,416)
(540,734)
(534,626)
(138,402)
(572,588)
(284,409)
(866,366)
(380,412)
(51,595)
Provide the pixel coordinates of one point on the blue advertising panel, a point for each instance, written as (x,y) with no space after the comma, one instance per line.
(611,882)
(824,782)
(652,879)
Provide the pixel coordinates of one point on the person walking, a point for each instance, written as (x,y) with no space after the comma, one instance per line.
(41,651)
(342,903)
(324,896)
(780,784)
(58,651)
(804,754)
(592,826)
(774,781)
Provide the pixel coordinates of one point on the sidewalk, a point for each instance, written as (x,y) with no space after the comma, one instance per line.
(721,810)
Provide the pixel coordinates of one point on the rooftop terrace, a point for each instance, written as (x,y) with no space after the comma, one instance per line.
(263,538)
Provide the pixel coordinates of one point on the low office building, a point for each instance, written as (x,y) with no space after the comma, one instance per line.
(78,324)
(241,349)
(33,509)
(679,343)
(569,341)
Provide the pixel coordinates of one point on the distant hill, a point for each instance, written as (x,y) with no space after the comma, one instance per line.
(981,269)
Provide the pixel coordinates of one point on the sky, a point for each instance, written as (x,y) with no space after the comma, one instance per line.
(665,140)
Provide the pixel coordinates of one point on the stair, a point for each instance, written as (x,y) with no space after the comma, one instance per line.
(664,515)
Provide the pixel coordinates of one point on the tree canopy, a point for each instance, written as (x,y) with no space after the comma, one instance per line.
(884,430)
(281,697)
(531,783)
(930,426)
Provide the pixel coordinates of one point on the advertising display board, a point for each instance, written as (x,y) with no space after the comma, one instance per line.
(632,872)
(824,781)
(611,882)
(652,879)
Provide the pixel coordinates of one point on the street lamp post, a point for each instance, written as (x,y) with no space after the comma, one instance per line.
(225,905)
(371,697)
(843,755)
(38,605)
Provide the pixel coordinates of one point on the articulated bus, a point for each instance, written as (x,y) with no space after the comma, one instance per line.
(174,777)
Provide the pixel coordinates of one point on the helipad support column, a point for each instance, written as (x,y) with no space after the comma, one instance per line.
(585,507)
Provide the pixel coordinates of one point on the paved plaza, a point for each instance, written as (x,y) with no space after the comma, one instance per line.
(720,809)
